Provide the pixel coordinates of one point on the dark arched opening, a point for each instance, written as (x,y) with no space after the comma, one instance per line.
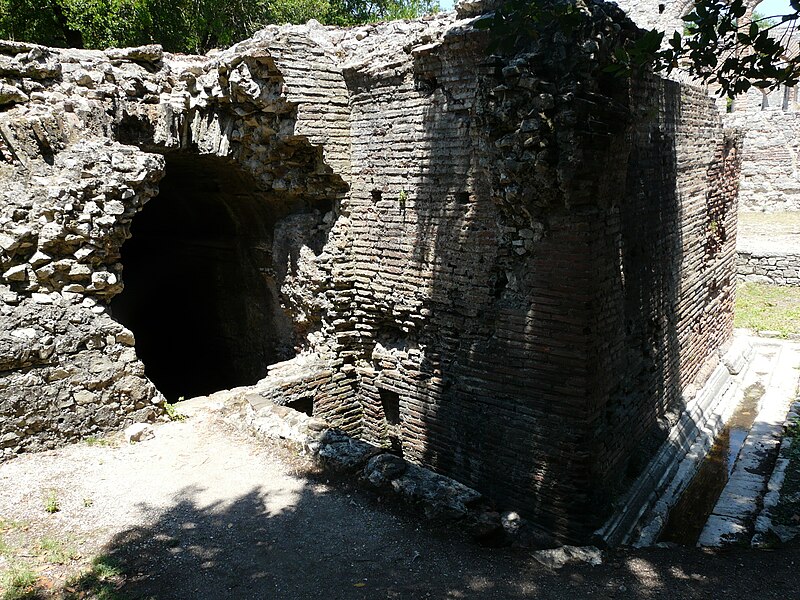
(200,293)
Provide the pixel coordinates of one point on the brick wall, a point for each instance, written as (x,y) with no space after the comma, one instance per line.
(536,314)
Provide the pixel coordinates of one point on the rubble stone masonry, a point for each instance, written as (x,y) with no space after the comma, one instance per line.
(510,270)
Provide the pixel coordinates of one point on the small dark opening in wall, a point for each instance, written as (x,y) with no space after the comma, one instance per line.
(462,197)
(304,405)
(428,85)
(377,195)
(500,285)
(390,401)
(395,445)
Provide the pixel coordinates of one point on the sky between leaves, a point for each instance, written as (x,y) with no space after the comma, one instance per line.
(774,7)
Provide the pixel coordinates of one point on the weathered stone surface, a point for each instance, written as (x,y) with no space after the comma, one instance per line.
(555,558)
(148,54)
(139,432)
(27,60)
(280,422)
(10,94)
(441,497)
(384,468)
(340,452)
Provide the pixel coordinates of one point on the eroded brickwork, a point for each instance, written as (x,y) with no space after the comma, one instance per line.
(517,266)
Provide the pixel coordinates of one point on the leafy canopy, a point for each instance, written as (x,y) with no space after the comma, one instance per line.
(727,50)
(181,25)
(719,45)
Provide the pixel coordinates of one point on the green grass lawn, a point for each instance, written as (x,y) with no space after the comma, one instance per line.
(764,307)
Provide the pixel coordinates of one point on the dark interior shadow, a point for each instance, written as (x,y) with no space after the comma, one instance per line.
(202,287)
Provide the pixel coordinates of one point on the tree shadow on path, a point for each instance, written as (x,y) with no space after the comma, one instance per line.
(344,544)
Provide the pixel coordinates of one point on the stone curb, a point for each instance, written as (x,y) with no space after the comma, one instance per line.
(737,507)
(642,510)
(767,534)
(428,494)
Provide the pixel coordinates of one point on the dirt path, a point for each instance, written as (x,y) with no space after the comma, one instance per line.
(201,511)
(774,232)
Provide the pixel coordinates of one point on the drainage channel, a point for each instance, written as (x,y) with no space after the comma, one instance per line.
(720,505)
(689,515)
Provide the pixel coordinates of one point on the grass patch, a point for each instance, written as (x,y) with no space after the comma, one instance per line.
(51,503)
(94,440)
(10,524)
(101,582)
(764,307)
(19,583)
(172,411)
(56,552)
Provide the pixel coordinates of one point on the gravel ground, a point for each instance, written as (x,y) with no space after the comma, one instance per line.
(773,232)
(202,511)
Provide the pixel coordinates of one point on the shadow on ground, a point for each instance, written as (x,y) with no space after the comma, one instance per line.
(334,544)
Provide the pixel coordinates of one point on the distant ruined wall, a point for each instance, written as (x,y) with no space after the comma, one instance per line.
(771,149)
(522,267)
(770,179)
(768,267)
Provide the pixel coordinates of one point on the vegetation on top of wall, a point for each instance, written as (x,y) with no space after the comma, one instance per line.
(719,45)
(611,39)
(181,25)
(734,53)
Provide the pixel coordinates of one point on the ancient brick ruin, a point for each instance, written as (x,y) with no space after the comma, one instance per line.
(769,119)
(515,272)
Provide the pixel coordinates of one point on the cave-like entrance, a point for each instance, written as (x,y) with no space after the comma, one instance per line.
(200,289)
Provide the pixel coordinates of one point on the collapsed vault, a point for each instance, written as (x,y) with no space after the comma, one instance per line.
(201,288)
(237,225)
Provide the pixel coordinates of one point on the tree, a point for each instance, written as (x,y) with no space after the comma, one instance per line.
(725,49)
(719,46)
(353,12)
(28,20)
(181,25)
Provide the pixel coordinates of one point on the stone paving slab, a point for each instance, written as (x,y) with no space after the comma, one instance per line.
(721,530)
(733,518)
